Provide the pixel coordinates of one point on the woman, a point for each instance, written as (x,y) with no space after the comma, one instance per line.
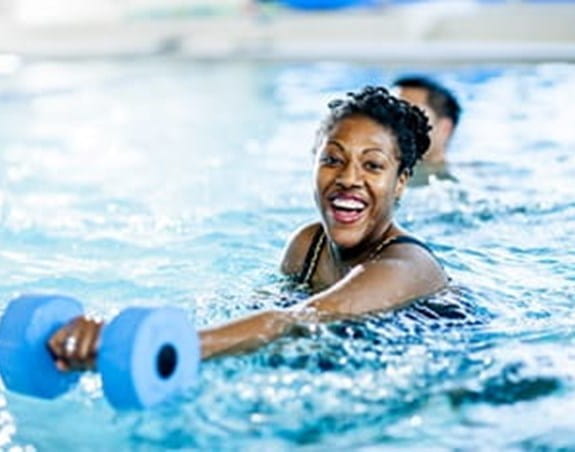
(356,260)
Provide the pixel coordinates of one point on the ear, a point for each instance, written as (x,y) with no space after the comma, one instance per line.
(400,184)
(444,129)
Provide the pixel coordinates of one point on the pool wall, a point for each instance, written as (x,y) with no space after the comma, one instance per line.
(429,32)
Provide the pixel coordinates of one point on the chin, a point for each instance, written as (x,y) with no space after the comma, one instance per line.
(345,239)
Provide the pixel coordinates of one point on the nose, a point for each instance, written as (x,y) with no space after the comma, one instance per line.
(349,176)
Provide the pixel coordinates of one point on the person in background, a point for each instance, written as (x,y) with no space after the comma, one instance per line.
(443,111)
(353,261)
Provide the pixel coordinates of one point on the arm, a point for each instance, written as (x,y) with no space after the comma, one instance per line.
(407,273)
(263,327)
(233,337)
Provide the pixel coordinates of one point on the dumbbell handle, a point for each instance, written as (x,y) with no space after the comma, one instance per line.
(74,346)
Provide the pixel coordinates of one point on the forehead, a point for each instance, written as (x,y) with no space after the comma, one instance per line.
(362,132)
(413,95)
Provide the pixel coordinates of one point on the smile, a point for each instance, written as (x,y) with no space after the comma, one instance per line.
(346,208)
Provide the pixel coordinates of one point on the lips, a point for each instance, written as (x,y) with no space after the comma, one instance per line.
(346,208)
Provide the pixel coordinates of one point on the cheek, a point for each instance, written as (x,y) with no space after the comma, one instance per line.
(384,193)
(316,180)
(318,186)
(383,189)
(321,178)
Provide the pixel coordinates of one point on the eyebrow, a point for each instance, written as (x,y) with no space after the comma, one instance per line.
(389,156)
(337,143)
(365,151)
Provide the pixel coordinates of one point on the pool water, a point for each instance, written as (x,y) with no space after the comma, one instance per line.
(163,181)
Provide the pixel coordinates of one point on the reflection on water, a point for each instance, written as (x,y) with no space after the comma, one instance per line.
(162,181)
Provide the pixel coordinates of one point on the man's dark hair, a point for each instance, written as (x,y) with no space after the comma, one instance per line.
(440,99)
(407,122)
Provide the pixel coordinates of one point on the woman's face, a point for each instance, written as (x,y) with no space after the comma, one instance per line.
(356,181)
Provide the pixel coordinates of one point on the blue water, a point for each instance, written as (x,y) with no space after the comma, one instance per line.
(150,182)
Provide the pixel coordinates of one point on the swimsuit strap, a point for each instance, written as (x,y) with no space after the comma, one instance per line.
(318,241)
(397,239)
(312,256)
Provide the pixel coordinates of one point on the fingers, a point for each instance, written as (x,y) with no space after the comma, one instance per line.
(74,346)
(57,346)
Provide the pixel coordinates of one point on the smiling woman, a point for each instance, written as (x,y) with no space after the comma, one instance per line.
(356,260)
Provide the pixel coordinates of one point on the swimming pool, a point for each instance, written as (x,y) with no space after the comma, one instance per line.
(154,181)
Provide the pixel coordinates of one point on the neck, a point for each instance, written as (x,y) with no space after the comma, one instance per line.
(434,156)
(345,258)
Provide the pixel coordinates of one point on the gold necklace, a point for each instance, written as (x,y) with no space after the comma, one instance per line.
(373,255)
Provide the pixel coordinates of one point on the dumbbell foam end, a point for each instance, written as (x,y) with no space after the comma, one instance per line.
(146,355)
(26,364)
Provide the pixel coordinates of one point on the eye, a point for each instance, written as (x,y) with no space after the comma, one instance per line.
(372,165)
(331,160)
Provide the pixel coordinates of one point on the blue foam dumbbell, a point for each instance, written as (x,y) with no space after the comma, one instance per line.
(145,355)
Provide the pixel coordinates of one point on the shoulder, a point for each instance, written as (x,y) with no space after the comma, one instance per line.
(413,267)
(297,248)
(401,274)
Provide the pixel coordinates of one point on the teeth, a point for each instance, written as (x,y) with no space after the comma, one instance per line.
(351,204)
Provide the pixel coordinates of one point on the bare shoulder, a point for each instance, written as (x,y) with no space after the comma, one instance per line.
(414,268)
(402,273)
(297,248)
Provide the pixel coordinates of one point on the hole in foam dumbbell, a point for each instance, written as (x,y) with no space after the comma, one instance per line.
(145,354)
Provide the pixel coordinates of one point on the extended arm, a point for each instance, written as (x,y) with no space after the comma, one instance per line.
(406,273)
(375,286)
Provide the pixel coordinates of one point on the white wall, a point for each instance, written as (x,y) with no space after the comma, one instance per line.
(36,12)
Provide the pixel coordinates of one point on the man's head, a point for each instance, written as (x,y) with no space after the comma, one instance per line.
(439,104)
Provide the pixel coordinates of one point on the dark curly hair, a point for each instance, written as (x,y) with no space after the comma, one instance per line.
(407,122)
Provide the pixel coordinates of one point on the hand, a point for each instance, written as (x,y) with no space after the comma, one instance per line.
(74,346)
